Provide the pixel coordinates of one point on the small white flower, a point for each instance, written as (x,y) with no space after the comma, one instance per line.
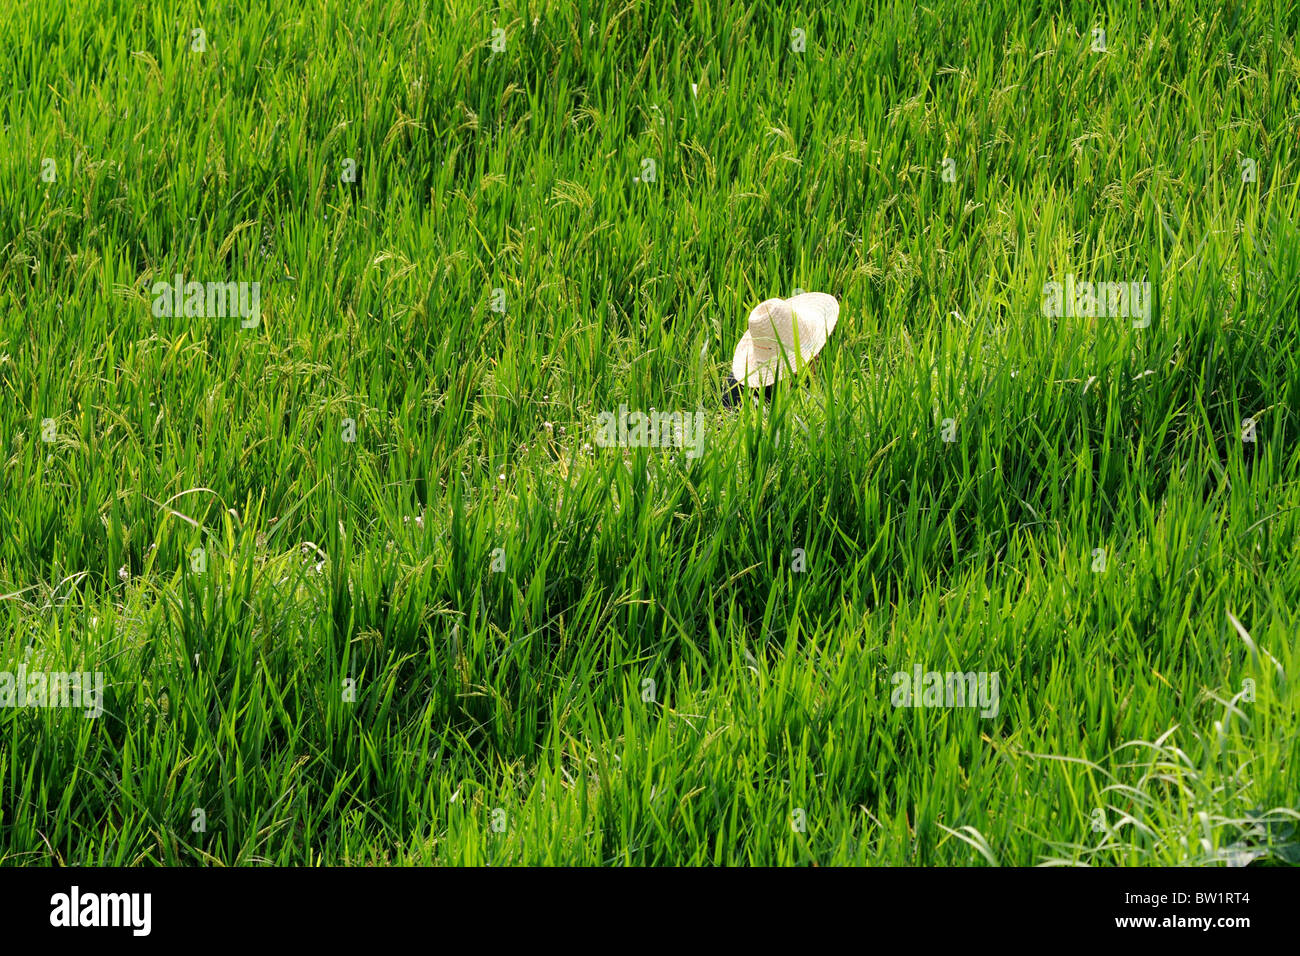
(124,573)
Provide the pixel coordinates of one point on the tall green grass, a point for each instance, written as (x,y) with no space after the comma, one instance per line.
(650,679)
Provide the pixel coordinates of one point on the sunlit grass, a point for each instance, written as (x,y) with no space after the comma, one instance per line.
(682,660)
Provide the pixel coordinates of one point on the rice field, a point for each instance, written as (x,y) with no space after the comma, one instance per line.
(318,546)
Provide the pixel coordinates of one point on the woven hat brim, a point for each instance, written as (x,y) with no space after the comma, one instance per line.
(817,314)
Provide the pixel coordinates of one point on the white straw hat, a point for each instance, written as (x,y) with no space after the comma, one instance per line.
(769,349)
